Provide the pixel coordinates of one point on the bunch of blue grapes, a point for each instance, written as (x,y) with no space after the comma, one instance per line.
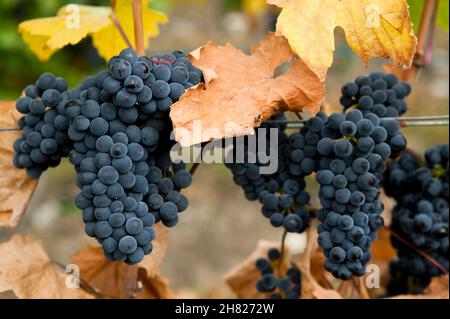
(120,129)
(44,139)
(421,217)
(348,152)
(115,128)
(277,285)
(381,94)
(282,194)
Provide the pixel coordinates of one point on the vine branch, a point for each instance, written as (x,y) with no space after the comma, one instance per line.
(282,251)
(424,39)
(138,27)
(417,250)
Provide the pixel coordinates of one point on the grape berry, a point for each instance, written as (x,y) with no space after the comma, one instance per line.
(421,216)
(278,286)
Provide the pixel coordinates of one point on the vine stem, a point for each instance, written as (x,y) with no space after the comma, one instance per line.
(194,168)
(283,252)
(361,287)
(417,250)
(424,39)
(9,129)
(138,27)
(119,25)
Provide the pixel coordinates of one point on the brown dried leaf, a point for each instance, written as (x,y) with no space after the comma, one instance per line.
(26,269)
(311,289)
(382,250)
(438,285)
(153,287)
(442,295)
(241,91)
(243,277)
(110,279)
(152,262)
(119,280)
(16,188)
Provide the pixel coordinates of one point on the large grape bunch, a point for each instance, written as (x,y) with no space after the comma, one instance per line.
(119,128)
(421,217)
(348,152)
(382,94)
(282,194)
(275,282)
(44,138)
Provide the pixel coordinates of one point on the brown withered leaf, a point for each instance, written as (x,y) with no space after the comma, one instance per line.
(438,285)
(153,287)
(152,262)
(243,277)
(241,91)
(382,250)
(311,289)
(119,280)
(16,188)
(26,269)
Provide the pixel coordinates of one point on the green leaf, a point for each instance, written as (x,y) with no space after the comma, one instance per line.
(416,8)
(415,11)
(442,15)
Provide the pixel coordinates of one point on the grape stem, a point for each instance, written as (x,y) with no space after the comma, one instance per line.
(343,287)
(361,287)
(8,129)
(138,27)
(83,284)
(426,31)
(194,168)
(282,252)
(417,250)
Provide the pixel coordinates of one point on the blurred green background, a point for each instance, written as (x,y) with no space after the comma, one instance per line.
(220,228)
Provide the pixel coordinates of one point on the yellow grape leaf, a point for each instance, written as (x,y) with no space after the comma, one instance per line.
(254,7)
(15,187)
(73,23)
(26,269)
(373,28)
(108,40)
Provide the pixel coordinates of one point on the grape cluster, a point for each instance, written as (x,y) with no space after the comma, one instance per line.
(287,286)
(44,138)
(421,216)
(348,152)
(117,135)
(282,194)
(381,94)
(120,128)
